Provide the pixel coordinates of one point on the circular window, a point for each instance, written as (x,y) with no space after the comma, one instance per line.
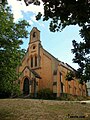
(34,47)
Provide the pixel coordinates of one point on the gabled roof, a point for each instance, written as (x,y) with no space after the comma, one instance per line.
(51,55)
(32,71)
(34,28)
(62,63)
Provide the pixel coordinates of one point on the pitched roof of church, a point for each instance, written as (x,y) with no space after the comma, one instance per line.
(34,28)
(62,63)
(32,71)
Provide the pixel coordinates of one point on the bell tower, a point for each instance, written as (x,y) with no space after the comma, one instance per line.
(34,35)
(34,48)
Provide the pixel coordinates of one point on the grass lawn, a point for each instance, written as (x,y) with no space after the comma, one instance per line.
(29,109)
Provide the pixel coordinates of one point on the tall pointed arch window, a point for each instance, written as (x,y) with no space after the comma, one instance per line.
(35,61)
(61,85)
(31,61)
(34,34)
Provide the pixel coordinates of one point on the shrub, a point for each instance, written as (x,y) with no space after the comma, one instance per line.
(4,94)
(45,94)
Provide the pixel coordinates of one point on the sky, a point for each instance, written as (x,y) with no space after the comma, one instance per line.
(59,44)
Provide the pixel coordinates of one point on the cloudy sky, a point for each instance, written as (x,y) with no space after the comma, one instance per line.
(58,44)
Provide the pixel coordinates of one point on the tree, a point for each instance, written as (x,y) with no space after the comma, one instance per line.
(70,76)
(63,13)
(82,54)
(35,2)
(10,52)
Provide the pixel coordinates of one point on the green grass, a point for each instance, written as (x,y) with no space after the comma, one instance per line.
(27,109)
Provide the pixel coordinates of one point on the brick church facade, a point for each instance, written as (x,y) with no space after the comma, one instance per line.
(40,70)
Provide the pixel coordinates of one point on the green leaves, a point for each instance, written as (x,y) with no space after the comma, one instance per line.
(38,17)
(69,12)
(10,52)
(82,54)
(70,76)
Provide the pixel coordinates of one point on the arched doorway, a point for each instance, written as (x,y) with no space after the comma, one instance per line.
(26,86)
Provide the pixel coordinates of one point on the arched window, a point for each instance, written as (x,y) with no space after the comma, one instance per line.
(35,61)
(31,61)
(34,34)
(26,86)
(61,82)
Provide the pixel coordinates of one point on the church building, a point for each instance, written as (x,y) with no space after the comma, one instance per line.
(40,70)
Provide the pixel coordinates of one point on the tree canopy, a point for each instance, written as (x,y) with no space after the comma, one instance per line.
(63,13)
(10,51)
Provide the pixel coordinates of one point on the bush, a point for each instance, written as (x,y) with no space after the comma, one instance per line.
(45,94)
(15,91)
(69,97)
(4,94)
